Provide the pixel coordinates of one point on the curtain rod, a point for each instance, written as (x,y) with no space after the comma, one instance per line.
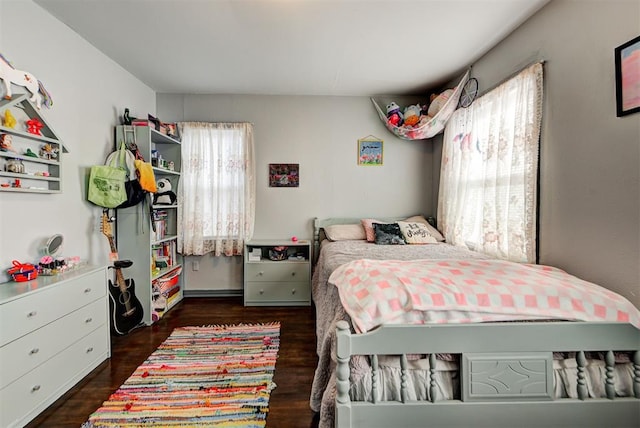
(538,61)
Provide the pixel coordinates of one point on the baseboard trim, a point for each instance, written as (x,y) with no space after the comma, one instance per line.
(212,293)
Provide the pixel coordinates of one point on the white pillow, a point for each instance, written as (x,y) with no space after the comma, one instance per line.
(344,232)
(432,230)
(416,233)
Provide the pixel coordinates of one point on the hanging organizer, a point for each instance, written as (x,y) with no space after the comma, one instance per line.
(434,126)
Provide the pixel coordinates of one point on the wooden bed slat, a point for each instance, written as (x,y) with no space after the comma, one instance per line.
(609,387)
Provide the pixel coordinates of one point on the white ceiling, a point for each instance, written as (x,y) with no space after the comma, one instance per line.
(293,47)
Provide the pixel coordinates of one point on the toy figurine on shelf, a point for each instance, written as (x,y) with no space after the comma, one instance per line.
(30,153)
(10,75)
(48,152)
(5,143)
(9,120)
(34,126)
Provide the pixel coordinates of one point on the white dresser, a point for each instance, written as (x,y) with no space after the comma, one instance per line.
(54,330)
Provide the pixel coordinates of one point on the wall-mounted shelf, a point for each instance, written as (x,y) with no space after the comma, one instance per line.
(18,171)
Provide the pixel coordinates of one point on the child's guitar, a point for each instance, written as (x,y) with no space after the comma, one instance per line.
(126,309)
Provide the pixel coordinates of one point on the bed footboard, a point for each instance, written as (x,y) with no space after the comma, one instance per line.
(506,375)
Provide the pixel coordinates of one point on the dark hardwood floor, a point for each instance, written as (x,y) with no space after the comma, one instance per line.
(289,402)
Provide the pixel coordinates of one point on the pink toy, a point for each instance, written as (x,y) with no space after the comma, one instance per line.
(294,239)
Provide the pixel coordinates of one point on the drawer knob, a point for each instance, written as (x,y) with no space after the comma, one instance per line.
(261,291)
(293,274)
(32,314)
(34,351)
(88,320)
(35,388)
(87,290)
(293,291)
(261,273)
(89,350)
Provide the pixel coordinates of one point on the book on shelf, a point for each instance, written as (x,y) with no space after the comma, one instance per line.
(164,254)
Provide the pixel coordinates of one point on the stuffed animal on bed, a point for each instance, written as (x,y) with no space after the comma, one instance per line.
(164,196)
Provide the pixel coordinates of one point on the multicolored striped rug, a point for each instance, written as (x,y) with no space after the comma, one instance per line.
(218,376)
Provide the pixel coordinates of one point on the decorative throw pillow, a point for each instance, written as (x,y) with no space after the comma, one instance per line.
(388,234)
(367,223)
(432,230)
(416,233)
(344,232)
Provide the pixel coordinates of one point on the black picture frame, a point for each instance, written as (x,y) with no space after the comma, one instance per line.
(284,175)
(627,62)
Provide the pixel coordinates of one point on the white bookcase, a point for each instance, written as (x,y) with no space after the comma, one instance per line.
(154,253)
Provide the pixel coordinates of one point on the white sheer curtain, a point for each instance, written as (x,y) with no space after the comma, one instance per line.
(488,180)
(216,195)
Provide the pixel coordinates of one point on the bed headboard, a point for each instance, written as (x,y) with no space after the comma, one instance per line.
(319,225)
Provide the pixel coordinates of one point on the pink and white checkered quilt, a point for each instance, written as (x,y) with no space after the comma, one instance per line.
(376,292)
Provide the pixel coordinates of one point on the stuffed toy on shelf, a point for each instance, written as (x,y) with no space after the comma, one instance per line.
(164,196)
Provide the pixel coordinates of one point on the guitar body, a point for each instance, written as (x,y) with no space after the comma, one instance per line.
(126,309)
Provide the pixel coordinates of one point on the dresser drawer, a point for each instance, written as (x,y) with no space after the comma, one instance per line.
(23,315)
(277,271)
(256,292)
(29,351)
(21,400)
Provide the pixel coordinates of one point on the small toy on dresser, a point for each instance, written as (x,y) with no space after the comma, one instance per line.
(164,196)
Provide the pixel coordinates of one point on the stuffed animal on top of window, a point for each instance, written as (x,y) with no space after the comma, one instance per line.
(164,196)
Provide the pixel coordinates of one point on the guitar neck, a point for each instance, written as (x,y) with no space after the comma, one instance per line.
(112,245)
(119,277)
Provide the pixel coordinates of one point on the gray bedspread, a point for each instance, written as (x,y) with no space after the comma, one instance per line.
(329,309)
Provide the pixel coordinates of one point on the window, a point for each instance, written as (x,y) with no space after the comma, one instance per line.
(488,181)
(217,188)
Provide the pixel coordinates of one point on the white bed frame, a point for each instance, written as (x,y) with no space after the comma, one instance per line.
(515,392)
(506,372)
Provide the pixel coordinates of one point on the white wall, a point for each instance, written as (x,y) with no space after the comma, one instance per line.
(320,134)
(590,159)
(89,92)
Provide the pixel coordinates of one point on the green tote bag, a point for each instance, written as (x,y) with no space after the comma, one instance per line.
(106,186)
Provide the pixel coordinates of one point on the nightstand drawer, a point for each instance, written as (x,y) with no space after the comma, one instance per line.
(277,271)
(277,292)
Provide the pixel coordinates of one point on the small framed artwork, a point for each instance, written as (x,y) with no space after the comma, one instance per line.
(627,59)
(370,151)
(284,175)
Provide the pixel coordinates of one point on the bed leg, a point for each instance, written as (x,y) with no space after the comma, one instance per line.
(342,369)
(343,402)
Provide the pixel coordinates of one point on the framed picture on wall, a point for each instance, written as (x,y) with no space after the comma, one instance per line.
(627,60)
(370,151)
(284,175)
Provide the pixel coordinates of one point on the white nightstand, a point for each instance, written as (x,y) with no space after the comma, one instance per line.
(277,282)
